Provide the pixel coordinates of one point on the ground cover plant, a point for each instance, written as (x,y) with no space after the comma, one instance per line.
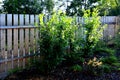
(69,51)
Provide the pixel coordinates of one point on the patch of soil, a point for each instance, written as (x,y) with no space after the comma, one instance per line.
(61,74)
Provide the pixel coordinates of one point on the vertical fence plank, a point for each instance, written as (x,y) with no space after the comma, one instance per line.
(36,39)
(2,46)
(26,45)
(2,67)
(9,19)
(21,52)
(15,50)
(32,19)
(9,48)
(2,49)
(21,38)
(2,19)
(111,31)
(36,20)
(117,25)
(21,19)
(9,43)
(32,40)
(26,19)
(26,41)
(15,17)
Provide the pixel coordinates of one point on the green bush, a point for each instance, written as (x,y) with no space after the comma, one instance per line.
(117,40)
(55,36)
(109,60)
(76,68)
(92,32)
(106,68)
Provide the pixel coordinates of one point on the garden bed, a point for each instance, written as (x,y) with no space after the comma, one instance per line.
(61,74)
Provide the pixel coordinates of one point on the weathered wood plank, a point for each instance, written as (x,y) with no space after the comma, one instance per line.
(9,65)
(26,19)
(9,19)
(32,19)
(2,44)
(2,67)
(9,43)
(21,37)
(2,19)
(15,41)
(36,20)
(15,64)
(36,39)
(111,32)
(21,19)
(15,17)
(26,41)
(32,42)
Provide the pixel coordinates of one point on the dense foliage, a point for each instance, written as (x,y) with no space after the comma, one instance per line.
(60,40)
(26,6)
(106,7)
(55,36)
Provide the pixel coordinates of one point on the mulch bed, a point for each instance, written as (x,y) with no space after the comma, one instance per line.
(61,74)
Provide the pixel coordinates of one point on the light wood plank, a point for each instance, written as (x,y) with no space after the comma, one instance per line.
(32,20)
(2,67)
(111,31)
(21,19)
(15,23)
(36,39)
(2,42)
(21,37)
(32,42)
(9,65)
(26,19)
(26,41)
(9,43)
(15,47)
(15,65)
(36,20)
(20,63)
(2,19)
(9,19)
(105,33)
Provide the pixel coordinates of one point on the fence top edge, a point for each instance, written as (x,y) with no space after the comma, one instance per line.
(38,14)
(9,27)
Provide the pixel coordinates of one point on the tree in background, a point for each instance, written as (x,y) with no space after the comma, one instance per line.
(78,6)
(49,4)
(27,6)
(116,9)
(109,7)
(106,7)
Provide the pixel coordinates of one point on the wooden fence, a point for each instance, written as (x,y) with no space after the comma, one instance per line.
(18,38)
(17,44)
